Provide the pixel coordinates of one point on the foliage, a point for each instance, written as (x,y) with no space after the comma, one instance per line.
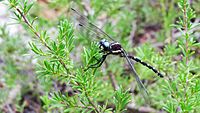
(56,64)
(121,100)
(183,86)
(63,55)
(15,69)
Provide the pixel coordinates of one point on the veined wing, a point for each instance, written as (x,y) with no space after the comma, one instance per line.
(139,82)
(84,22)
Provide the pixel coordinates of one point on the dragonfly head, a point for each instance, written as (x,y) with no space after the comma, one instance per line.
(104,45)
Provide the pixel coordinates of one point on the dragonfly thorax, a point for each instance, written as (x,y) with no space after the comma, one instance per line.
(114,47)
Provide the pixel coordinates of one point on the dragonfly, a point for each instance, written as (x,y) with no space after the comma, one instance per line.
(112,47)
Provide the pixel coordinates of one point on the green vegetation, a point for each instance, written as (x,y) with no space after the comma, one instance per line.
(46,73)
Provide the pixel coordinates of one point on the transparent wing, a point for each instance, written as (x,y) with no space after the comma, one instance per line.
(90,32)
(139,82)
(84,22)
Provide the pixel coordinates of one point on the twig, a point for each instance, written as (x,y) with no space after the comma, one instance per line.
(84,107)
(113,81)
(95,107)
(37,34)
(185,22)
(131,108)
(112,78)
(9,108)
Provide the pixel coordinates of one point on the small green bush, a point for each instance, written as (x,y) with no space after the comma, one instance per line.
(62,60)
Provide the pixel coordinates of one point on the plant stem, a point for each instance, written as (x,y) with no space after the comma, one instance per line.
(113,81)
(83,107)
(185,20)
(95,107)
(37,34)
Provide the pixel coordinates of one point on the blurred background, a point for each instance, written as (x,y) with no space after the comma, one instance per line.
(143,27)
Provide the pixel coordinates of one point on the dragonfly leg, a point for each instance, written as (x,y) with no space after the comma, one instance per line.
(98,63)
(98,60)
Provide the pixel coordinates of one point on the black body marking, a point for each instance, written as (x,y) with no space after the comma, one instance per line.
(147,65)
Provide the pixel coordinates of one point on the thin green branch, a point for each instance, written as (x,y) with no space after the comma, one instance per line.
(185,25)
(90,101)
(185,22)
(37,34)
